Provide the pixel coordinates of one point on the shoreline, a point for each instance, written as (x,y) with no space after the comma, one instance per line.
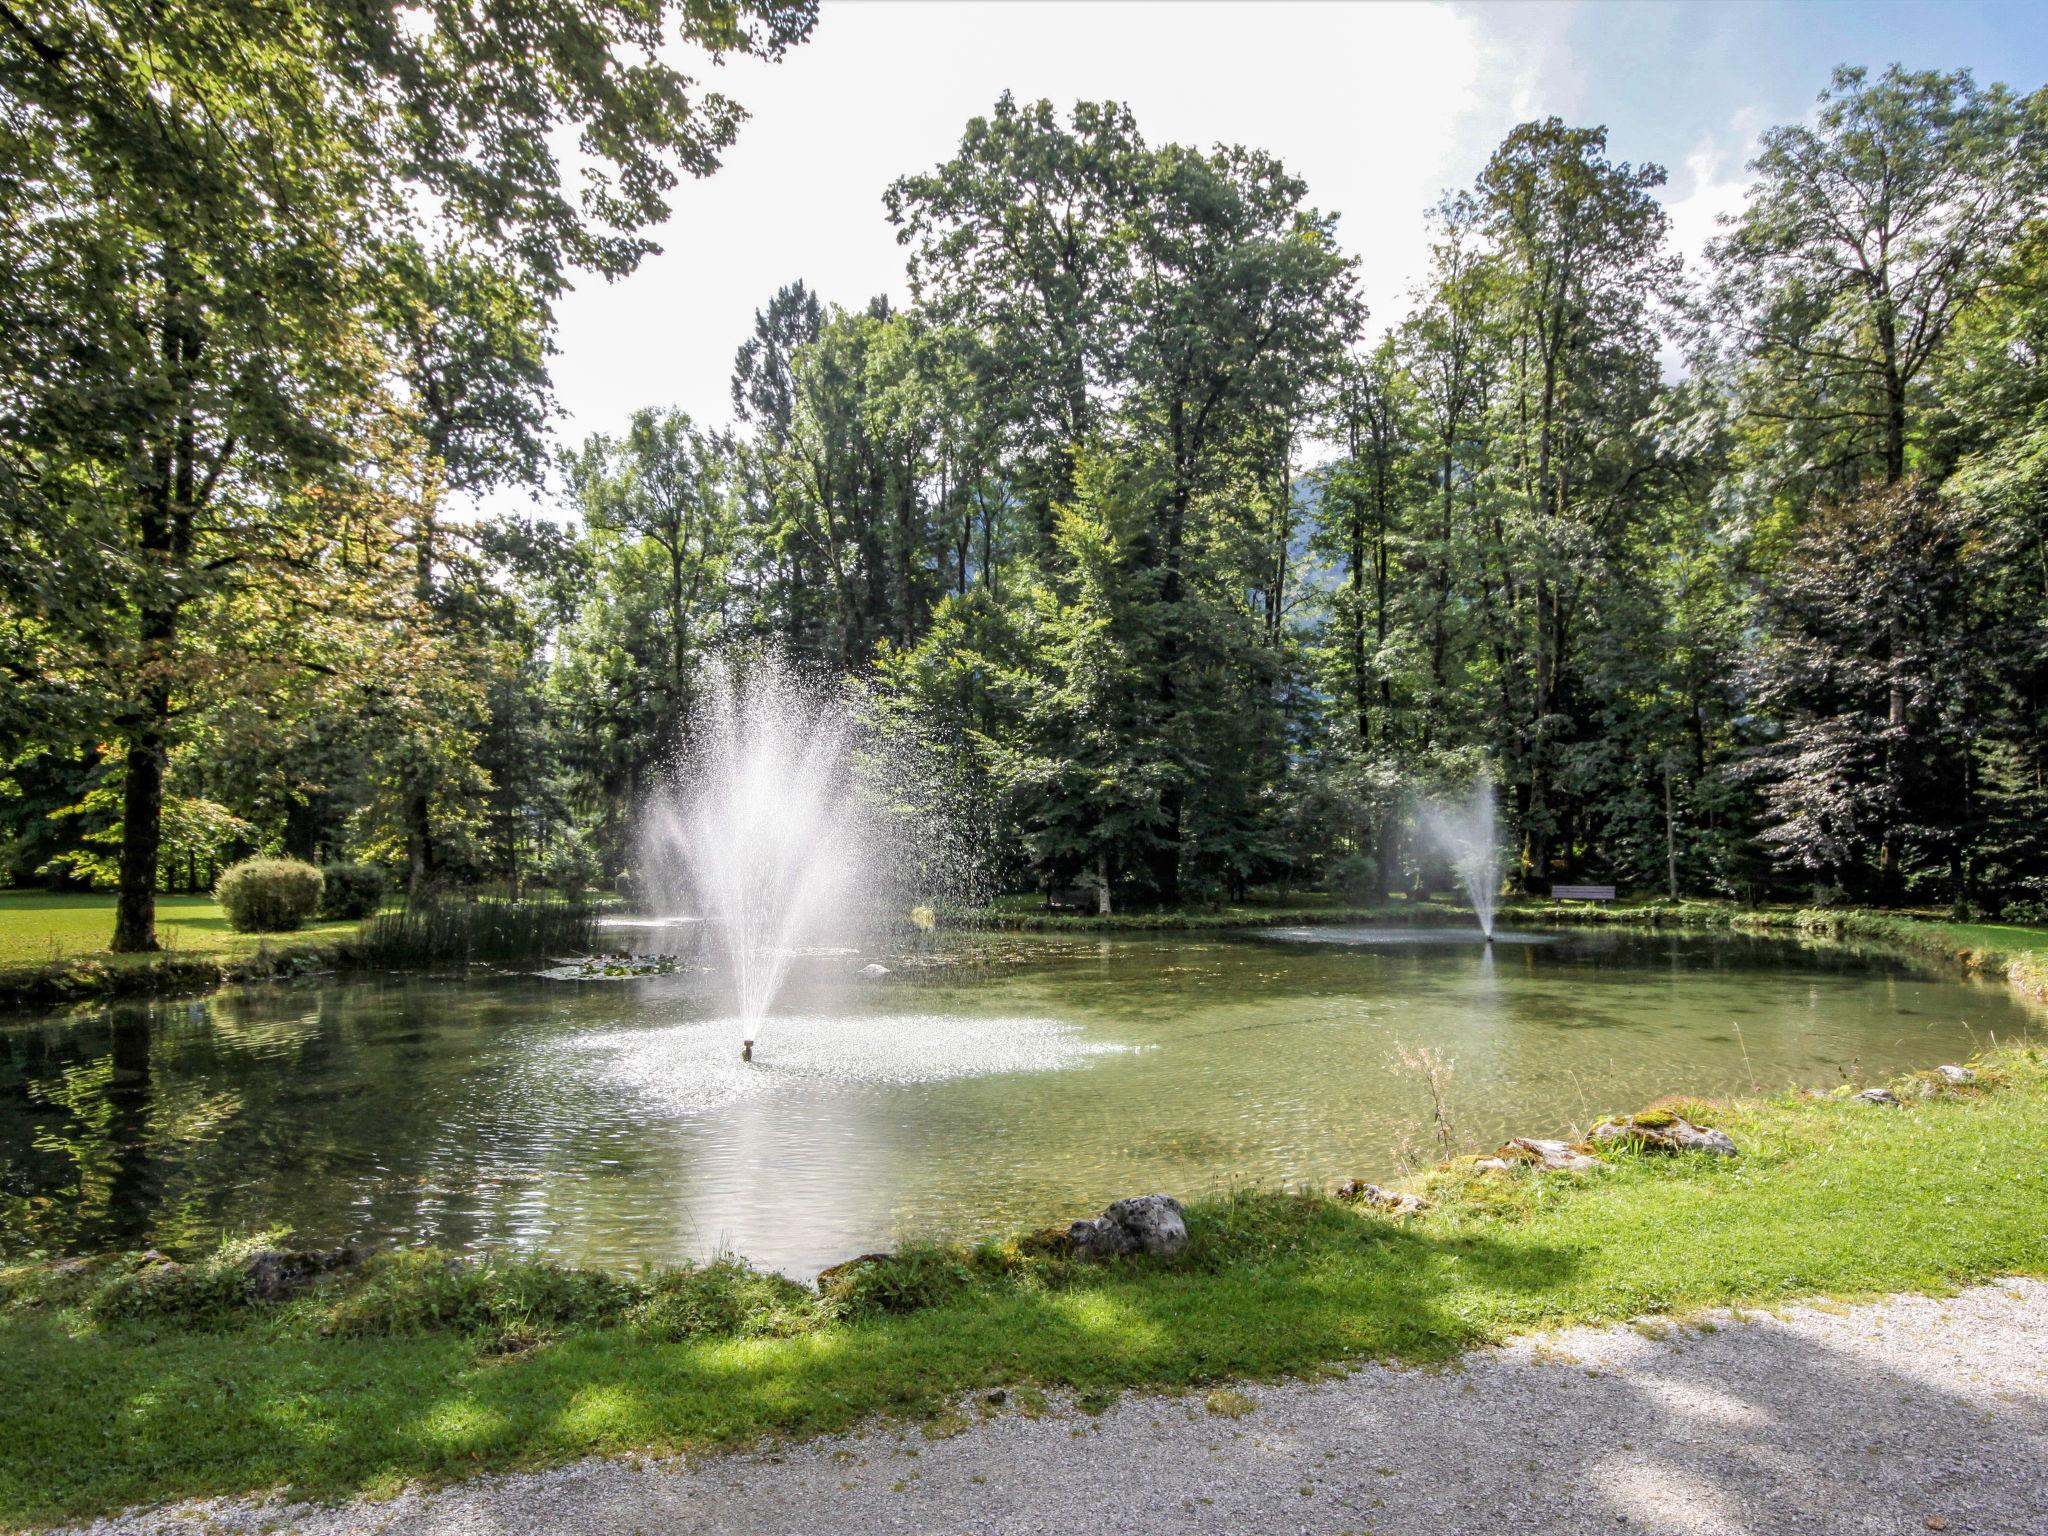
(2018,953)
(411,1367)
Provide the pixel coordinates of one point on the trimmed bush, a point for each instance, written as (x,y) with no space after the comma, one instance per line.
(351,890)
(268,895)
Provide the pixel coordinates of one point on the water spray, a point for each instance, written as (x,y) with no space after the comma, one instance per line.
(1465,833)
(765,830)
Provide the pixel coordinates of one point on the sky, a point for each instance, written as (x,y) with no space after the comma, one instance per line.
(1381,108)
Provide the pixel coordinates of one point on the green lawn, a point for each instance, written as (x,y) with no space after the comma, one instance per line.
(36,927)
(1828,1198)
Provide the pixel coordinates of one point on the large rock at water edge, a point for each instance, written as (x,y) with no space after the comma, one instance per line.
(1148,1224)
(1659,1130)
(1874,1096)
(275,1273)
(1549,1156)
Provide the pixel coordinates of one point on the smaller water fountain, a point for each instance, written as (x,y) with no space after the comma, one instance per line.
(1465,835)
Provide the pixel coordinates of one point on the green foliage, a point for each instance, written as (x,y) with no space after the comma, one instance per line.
(918,1276)
(351,890)
(268,895)
(208,1292)
(723,1299)
(422,1291)
(1052,518)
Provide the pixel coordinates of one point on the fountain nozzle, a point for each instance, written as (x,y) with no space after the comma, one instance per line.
(746,1050)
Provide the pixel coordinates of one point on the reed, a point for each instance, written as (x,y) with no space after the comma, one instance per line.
(456,930)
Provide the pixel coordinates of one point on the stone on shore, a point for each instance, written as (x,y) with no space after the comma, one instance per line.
(1392,1201)
(1951,1073)
(1154,1225)
(1535,1152)
(275,1273)
(1874,1096)
(1660,1130)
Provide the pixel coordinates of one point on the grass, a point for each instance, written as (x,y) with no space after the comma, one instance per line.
(53,947)
(117,1389)
(37,927)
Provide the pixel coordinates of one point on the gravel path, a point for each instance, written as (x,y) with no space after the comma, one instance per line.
(1901,1416)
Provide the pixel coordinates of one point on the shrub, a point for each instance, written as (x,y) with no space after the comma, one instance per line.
(422,1291)
(268,895)
(351,890)
(725,1298)
(922,1275)
(149,1288)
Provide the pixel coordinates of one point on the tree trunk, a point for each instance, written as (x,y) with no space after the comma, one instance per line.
(419,841)
(142,828)
(1670,837)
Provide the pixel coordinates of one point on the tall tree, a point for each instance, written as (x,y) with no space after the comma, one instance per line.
(1868,233)
(208,192)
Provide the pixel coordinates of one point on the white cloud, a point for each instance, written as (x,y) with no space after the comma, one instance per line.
(1380,108)
(1711,183)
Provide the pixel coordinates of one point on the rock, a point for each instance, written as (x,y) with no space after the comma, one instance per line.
(1951,1073)
(847,1266)
(1550,1156)
(1659,1130)
(1874,1096)
(275,1273)
(1393,1202)
(1149,1224)
(873,971)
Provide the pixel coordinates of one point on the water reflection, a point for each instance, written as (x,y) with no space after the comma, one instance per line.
(995,1084)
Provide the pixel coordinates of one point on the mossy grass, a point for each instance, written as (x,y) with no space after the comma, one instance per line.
(115,1389)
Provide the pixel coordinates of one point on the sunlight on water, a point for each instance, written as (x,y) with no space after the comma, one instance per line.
(967,1085)
(690,1069)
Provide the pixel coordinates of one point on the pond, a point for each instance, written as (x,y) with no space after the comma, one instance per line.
(982,1086)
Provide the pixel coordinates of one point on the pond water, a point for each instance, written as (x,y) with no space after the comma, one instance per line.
(985,1085)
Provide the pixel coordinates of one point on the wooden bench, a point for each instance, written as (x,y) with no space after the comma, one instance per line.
(1072,898)
(1582,893)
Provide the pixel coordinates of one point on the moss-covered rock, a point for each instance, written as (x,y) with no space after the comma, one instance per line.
(1664,1130)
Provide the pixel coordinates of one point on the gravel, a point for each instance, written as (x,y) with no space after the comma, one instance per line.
(1905,1415)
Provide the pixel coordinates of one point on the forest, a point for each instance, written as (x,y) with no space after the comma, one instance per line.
(1198,567)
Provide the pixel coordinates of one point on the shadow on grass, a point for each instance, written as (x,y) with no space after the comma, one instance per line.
(205,1414)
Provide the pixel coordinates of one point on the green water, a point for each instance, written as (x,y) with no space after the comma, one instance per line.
(981,1086)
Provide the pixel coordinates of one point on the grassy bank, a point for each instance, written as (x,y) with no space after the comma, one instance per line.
(1027,914)
(2012,950)
(53,948)
(2009,949)
(124,1382)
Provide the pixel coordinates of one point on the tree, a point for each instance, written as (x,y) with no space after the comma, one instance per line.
(1023,239)
(210,200)
(1867,236)
(662,491)
(1870,605)
(1578,251)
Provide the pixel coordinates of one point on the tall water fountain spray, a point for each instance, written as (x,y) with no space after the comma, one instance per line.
(1465,835)
(761,830)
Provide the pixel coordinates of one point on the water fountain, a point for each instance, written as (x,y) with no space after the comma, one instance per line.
(761,829)
(1465,835)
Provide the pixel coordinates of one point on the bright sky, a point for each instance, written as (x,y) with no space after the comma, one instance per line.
(1379,107)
